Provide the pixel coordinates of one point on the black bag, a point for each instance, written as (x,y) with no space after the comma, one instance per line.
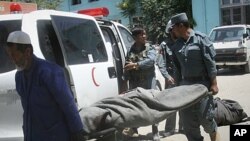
(228,112)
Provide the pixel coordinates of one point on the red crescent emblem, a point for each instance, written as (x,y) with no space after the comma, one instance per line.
(93,77)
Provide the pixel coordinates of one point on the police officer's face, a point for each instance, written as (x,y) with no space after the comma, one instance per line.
(172,35)
(18,58)
(178,30)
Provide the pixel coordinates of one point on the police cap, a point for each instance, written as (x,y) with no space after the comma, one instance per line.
(179,18)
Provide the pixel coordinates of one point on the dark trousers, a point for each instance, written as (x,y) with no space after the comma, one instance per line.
(149,83)
(197,115)
(171,123)
(171,120)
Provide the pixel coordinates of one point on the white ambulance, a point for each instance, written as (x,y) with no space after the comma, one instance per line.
(232,45)
(91,52)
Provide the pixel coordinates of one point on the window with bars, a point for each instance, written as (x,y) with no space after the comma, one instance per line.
(236,15)
(247,11)
(75,2)
(225,2)
(228,2)
(236,1)
(93,0)
(226,20)
(235,12)
(246,1)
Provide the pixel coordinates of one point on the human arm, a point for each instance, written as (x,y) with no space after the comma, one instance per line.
(55,82)
(214,87)
(161,63)
(131,66)
(149,59)
(209,60)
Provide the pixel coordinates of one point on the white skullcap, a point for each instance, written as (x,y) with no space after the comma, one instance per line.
(19,37)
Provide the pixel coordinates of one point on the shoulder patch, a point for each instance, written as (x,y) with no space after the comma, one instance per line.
(163,43)
(198,33)
(148,46)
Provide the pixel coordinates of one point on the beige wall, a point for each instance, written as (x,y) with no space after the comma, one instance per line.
(26,7)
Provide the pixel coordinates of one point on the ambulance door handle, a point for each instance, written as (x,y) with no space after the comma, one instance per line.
(112,72)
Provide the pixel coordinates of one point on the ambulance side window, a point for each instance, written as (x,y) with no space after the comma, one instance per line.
(6,27)
(126,37)
(49,43)
(81,40)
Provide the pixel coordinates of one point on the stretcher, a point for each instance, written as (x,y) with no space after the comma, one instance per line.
(136,108)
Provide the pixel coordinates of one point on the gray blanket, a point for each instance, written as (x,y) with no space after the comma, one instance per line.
(228,112)
(139,107)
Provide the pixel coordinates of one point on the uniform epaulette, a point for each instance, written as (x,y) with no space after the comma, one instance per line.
(148,46)
(198,33)
(163,43)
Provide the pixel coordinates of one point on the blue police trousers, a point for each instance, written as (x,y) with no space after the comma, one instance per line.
(198,115)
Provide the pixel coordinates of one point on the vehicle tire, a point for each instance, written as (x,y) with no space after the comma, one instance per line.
(158,85)
(247,66)
(217,67)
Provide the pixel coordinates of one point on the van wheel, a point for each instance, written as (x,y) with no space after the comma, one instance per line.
(217,67)
(158,85)
(247,66)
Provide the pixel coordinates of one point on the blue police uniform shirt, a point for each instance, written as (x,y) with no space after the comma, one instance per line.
(165,59)
(195,56)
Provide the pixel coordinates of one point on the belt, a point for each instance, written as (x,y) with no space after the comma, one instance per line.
(196,78)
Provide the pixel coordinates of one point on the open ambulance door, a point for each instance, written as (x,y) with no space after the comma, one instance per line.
(88,58)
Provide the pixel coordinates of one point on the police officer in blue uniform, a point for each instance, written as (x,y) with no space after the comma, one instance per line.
(165,59)
(140,70)
(167,68)
(194,58)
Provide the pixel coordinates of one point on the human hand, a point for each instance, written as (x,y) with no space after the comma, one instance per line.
(130,66)
(79,136)
(214,89)
(170,81)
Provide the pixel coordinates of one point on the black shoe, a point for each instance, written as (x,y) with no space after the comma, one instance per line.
(166,134)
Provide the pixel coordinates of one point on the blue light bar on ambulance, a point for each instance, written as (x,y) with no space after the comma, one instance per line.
(100,11)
